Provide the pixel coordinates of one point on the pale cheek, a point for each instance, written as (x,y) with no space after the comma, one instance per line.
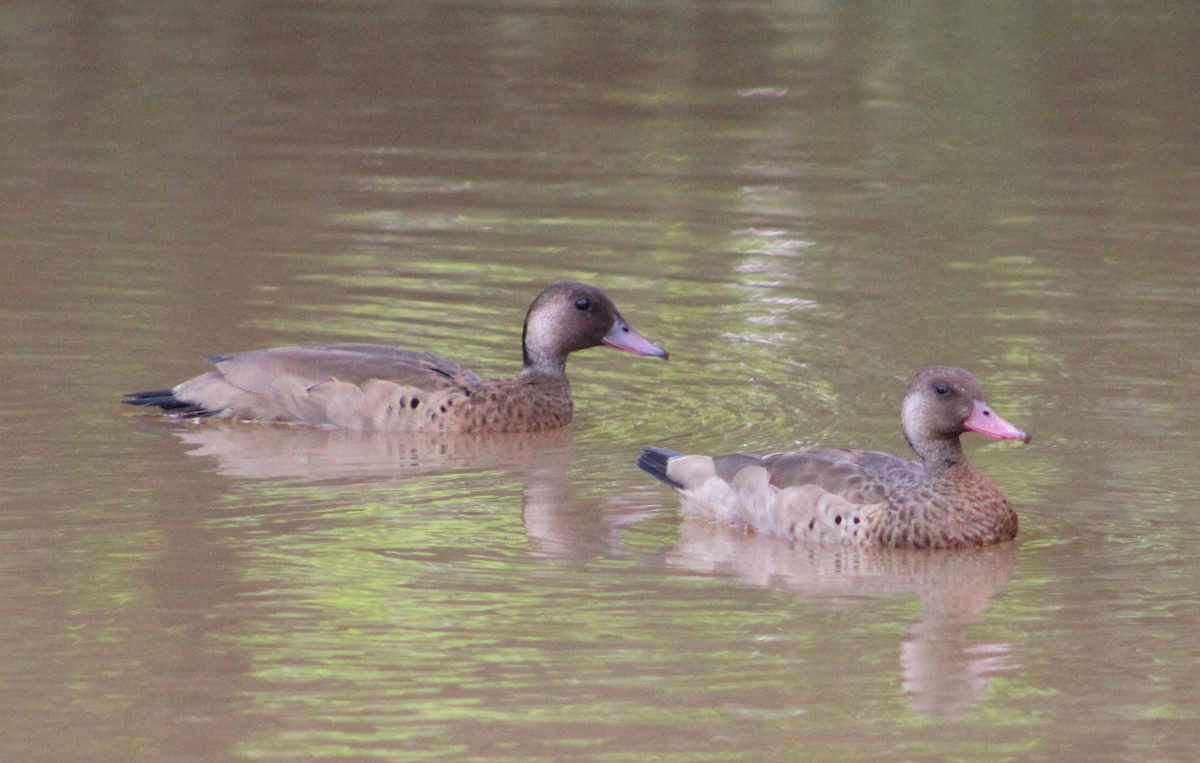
(910,413)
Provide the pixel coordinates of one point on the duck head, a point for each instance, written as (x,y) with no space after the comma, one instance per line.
(569,316)
(942,403)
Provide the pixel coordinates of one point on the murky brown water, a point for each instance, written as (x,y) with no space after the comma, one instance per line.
(805,202)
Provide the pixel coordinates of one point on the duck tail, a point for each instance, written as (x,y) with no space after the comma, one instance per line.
(653,461)
(165,399)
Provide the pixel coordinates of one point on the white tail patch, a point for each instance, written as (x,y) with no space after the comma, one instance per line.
(691,471)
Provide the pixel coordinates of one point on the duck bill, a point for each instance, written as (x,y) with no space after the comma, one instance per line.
(621,337)
(987,422)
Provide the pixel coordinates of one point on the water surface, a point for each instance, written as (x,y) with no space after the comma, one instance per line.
(804,202)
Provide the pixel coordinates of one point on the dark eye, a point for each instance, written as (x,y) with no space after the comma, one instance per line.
(942,388)
(583,303)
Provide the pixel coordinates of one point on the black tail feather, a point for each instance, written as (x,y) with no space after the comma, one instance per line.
(165,399)
(653,461)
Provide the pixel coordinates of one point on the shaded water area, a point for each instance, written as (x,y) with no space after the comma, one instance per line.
(805,202)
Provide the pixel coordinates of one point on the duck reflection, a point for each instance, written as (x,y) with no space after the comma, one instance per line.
(941,669)
(556,525)
(282,451)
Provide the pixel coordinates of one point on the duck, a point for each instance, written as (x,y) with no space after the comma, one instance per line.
(382,388)
(860,497)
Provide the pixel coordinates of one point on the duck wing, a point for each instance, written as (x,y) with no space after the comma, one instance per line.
(347,362)
(343,385)
(859,476)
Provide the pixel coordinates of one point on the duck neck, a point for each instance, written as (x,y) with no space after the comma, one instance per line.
(940,455)
(542,366)
(537,360)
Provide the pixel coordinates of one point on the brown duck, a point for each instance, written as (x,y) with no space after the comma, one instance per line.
(376,387)
(863,498)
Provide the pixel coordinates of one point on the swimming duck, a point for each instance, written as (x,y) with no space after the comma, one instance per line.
(863,498)
(377,387)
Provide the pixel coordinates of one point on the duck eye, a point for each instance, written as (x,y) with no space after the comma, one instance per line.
(942,388)
(583,303)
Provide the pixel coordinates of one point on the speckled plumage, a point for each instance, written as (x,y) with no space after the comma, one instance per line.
(863,498)
(376,387)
